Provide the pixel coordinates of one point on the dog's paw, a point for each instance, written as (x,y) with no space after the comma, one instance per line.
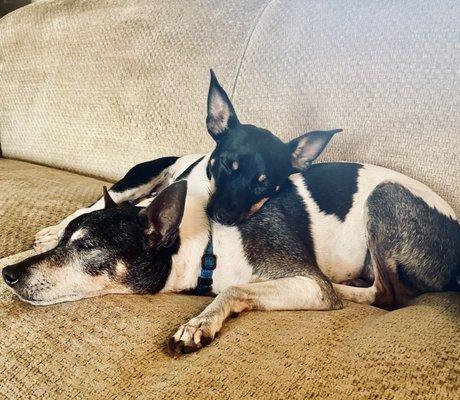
(192,336)
(47,239)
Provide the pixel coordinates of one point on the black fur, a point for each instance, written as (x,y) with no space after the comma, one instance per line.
(238,190)
(279,233)
(249,163)
(339,179)
(143,173)
(418,242)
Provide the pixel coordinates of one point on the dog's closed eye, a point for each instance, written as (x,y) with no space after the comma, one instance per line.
(83,245)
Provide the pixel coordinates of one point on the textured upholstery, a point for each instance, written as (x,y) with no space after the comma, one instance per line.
(114,347)
(129,80)
(33,197)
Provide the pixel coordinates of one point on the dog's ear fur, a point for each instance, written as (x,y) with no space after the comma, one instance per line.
(221,114)
(108,201)
(306,148)
(164,215)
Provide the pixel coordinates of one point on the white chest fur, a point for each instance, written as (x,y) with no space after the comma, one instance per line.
(232,266)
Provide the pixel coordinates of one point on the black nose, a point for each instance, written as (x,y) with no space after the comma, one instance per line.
(11,275)
(224,217)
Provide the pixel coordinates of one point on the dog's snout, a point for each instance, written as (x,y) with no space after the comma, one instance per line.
(11,275)
(224,217)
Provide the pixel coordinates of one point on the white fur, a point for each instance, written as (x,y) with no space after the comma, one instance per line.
(339,255)
(80,233)
(232,266)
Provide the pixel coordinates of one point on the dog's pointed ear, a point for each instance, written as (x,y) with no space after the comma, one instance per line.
(221,114)
(306,148)
(108,201)
(163,216)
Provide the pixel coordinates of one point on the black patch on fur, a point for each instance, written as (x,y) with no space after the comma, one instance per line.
(277,239)
(118,234)
(143,173)
(189,169)
(332,186)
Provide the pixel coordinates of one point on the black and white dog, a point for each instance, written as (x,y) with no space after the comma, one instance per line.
(325,225)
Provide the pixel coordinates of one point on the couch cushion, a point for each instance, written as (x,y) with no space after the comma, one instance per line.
(385,72)
(95,86)
(34,197)
(114,347)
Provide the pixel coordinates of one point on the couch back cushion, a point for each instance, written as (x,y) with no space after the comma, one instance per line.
(97,86)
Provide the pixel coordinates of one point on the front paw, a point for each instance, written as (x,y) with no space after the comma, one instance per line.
(47,239)
(193,335)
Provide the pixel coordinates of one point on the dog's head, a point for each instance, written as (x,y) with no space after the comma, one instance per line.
(120,249)
(250,164)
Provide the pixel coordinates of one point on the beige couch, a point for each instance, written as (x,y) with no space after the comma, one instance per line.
(89,88)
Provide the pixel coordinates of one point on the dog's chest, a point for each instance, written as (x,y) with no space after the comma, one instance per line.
(232,267)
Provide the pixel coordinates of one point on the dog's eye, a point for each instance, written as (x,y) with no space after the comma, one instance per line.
(83,245)
(229,166)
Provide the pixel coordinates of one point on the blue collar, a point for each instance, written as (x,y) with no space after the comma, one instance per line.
(208,265)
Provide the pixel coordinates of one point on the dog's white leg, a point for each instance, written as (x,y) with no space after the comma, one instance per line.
(364,295)
(293,293)
(48,238)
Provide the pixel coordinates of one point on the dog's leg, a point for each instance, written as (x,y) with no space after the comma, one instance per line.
(140,181)
(293,293)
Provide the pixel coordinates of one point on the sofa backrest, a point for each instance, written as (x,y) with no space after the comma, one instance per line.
(95,87)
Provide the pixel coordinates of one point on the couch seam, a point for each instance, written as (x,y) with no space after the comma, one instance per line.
(246,46)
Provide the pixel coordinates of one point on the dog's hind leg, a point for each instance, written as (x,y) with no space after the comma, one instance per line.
(413,248)
(292,293)
(138,182)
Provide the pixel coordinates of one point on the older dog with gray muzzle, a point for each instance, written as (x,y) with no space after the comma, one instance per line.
(390,233)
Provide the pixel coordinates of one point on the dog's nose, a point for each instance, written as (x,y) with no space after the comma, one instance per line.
(11,275)
(224,217)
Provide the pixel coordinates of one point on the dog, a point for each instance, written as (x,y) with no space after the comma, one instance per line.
(334,223)
(292,254)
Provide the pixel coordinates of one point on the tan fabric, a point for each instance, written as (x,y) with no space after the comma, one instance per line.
(97,86)
(33,197)
(114,347)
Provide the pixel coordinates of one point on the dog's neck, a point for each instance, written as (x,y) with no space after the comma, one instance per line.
(193,231)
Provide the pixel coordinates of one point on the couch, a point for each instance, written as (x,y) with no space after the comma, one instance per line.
(90,88)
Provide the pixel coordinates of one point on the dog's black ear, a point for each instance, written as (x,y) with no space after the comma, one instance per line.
(306,148)
(108,201)
(221,114)
(164,215)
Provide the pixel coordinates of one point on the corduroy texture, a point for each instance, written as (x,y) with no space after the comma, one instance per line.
(33,197)
(114,347)
(129,80)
